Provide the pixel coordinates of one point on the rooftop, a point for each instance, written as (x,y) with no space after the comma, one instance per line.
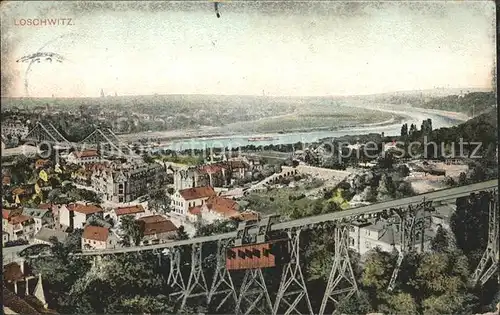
(197,192)
(45,234)
(19,219)
(225,207)
(85,209)
(96,233)
(129,210)
(156,224)
(35,213)
(195,210)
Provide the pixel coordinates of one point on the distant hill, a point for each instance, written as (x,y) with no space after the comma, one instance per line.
(472,103)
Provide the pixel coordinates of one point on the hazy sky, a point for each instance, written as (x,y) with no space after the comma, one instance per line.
(283,48)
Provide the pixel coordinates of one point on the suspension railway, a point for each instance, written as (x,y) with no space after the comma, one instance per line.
(364,212)
(249,250)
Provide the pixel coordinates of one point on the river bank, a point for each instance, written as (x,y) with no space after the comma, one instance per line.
(216,138)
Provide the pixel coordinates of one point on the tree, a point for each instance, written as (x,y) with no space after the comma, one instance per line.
(404,130)
(181,234)
(469,224)
(386,189)
(462,179)
(357,304)
(402,303)
(440,242)
(132,230)
(376,274)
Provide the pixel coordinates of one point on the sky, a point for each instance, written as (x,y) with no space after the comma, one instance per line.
(280,49)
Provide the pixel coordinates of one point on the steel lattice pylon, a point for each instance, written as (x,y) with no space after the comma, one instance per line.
(175,279)
(197,284)
(253,290)
(412,222)
(491,253)
(292,287)
(342,282)
(222,283)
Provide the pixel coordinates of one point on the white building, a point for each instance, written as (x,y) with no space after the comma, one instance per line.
(76,215)
(136,211)
(84,157)
(5,237)
(184,199)
(98,238)
(365,236)
(20,227)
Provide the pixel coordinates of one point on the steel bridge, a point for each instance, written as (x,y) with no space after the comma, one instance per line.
(103,139)
(409,214)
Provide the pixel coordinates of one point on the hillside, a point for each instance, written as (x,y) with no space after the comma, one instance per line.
(471,103)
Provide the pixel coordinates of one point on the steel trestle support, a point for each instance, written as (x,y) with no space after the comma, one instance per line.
(197,284)
(253,290)
(342,282)
(292,287)
(490,255)
(175,279)
(412,224)
(222,283)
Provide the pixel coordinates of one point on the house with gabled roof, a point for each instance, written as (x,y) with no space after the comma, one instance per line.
(84,157)
(98,238)
(157,229)
(136,211)
(188,198)
(76,215)
(218,208)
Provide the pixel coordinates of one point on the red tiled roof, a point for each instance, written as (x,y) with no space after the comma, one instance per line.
(156,224)
(197,193)
(129,210)
(19,219)
(86,153)
(223,206)
(96,233)
(9,213)
(85,209)
(195,210)
(44,206)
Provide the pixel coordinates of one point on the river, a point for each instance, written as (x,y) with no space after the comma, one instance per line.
(440,119)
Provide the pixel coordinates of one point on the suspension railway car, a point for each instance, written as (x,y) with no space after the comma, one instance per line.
(253,256)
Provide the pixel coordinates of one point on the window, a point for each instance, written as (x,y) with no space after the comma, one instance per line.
(351,241)
(368,245)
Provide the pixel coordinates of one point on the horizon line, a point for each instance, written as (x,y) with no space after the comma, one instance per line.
(251,95)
